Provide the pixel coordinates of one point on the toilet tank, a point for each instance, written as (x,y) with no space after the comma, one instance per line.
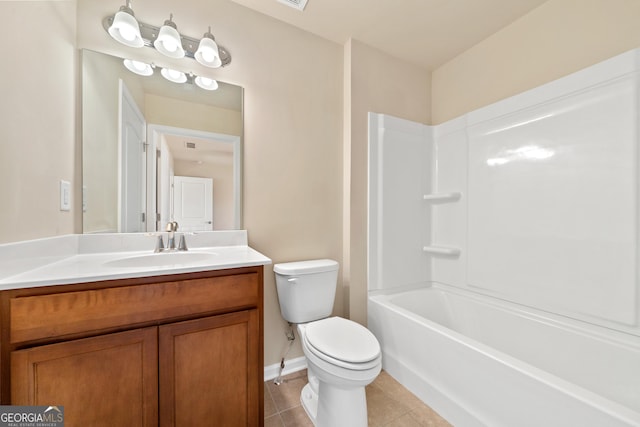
(306,289)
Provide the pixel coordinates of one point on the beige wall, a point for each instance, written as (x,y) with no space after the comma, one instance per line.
(556,39)
(377,82)
(38,109)
(100,141)
(161,110)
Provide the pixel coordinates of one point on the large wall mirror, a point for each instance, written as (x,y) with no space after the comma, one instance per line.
(155,151)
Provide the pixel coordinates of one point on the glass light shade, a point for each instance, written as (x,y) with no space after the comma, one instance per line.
(138,67)
(125,29)
(168,42)
(206,83)
(207,53)
(173,75)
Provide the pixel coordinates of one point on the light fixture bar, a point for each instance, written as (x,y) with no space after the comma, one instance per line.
(189,44)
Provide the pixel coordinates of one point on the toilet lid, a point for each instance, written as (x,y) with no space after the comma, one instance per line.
(343,339)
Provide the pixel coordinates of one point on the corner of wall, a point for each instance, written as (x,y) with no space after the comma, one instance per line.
(346,178)
(555,39)
(374,82)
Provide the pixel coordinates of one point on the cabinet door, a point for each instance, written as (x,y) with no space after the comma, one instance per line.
(110,380)
(210,373)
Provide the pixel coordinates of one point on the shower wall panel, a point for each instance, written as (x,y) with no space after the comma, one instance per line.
(552,196)
(449,218)
(399,221)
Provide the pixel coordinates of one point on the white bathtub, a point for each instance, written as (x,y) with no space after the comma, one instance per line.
(481,362)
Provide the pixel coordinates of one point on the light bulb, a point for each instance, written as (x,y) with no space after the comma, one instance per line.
(173,75)
(125,29)
(127,33)
(170,44)
(207,53)
(206,83)
(138,67)
(168,41)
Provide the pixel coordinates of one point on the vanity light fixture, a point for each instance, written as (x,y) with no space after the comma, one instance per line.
(126,29)
(207,53)
(168,41)
(173,75)
(138,67)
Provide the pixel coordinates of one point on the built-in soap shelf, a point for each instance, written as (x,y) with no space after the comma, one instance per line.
(441,250)
(453,196)
(443,197)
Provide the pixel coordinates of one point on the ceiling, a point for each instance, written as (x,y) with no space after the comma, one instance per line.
(428,33)
(207,151)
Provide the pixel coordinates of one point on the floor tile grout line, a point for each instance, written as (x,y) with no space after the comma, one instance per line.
(279,418)
(410,408)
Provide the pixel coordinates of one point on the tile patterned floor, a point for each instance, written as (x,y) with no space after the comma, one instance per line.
(389,404)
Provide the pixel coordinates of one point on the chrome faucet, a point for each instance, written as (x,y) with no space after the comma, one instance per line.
(171,229)
(182,246)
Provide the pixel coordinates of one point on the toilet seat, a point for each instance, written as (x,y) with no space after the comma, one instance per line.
(343,343)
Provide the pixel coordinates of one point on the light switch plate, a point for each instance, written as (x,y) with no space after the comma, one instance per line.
(65,195)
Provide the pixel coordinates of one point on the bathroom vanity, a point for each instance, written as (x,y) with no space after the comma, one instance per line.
(180,346)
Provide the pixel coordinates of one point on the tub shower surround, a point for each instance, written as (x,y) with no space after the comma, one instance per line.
(503,254)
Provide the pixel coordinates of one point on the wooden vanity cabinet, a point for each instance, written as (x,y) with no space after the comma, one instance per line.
(181,350)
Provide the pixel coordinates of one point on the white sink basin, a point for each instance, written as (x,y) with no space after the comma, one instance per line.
(163,259)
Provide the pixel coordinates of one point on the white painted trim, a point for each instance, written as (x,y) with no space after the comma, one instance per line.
(290,366)
(125,96)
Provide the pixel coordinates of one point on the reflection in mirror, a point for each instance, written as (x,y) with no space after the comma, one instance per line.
(156,151)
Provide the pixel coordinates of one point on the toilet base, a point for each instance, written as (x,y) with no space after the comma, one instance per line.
(339,407)
(309,400)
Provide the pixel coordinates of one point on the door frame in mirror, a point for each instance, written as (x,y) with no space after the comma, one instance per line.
(154,134)
(130,179)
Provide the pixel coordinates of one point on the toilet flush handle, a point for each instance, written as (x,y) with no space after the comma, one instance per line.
(292,279)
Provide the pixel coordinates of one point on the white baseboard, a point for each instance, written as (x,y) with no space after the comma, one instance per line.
(290,366)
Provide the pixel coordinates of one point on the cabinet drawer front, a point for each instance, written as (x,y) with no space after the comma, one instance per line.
(46,316)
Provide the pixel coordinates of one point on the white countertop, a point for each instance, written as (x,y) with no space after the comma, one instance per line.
(87,258)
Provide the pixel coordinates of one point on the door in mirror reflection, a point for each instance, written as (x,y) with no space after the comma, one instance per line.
(132,182)
(193,203)
(185,159)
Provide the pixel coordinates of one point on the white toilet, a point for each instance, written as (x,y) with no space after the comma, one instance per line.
(342,356)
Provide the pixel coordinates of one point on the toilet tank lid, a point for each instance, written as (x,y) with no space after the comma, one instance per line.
(306,267)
